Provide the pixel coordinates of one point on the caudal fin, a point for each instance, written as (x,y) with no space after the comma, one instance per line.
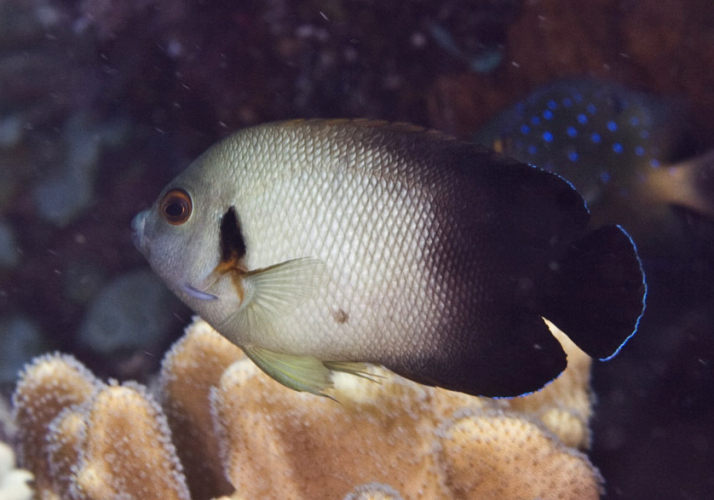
(689,184)
(596,293)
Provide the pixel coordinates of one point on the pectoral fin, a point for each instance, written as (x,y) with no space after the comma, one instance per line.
(301,373)
(272,293)
(279,289)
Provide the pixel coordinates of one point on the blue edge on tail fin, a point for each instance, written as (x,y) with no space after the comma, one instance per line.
(644,297)
(639,262)
(636,322)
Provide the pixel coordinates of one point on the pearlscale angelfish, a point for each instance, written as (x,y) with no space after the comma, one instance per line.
(318,246)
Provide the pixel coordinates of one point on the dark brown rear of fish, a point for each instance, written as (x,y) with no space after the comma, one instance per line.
(517,250)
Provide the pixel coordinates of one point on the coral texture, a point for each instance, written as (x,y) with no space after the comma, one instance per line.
(237,432)
(47,386)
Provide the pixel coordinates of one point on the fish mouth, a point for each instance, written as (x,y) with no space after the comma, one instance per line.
(137,235)
(198,294)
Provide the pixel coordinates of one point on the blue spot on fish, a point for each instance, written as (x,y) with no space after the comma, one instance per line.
(614,133)
(535,120)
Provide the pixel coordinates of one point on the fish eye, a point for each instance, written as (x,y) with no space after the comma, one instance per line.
(176,206)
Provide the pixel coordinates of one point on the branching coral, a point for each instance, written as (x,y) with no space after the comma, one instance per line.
(47,386)
(126,436)
(491,467)
(190,369)
(84,439)
(239,433)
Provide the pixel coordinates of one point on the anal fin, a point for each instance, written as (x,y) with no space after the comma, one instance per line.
(305,373)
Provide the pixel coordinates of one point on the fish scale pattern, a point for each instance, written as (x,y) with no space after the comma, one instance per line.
(352,198)
(374,232)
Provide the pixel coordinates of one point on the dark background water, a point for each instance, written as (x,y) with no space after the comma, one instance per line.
(102,103)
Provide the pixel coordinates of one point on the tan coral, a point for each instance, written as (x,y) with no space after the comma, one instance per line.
(233,423)
(86,440)
(192,366)
(65,438)
(493,455)
(127,451)
(385,433)
(314,448)
(47,386)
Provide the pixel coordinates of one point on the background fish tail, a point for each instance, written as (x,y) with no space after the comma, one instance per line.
(596,295)
(689,184)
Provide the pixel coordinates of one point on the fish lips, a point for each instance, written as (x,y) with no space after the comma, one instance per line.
(138,237)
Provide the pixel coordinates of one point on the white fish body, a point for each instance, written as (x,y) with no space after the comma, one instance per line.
(315,245)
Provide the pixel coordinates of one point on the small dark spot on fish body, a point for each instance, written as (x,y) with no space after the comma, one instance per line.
(341,316)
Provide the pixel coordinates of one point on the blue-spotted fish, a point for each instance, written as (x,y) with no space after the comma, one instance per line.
(615,145)
(317,246)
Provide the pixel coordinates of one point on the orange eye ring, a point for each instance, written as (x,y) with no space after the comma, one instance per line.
(176,207)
